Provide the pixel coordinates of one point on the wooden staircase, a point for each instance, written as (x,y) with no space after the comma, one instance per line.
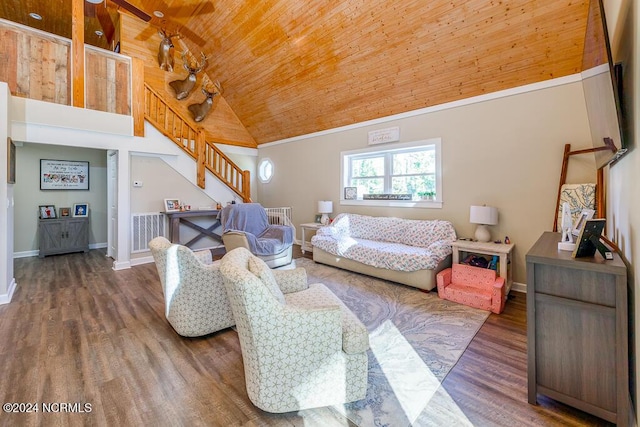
(192,141)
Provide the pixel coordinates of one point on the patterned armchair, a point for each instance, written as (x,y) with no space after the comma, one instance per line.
(196,301)
(301,346)
(472,286)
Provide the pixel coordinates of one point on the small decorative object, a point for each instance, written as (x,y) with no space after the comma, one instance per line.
(507,240)
(350,193)
(171,205)
(65,212)
(566,243)
(585,215)
(218,206)
(81,209)
(165,50)
(64,175)
(483,216)
(325,207)
(318,218)
(193,67)
(47,211)
(427,195)
(11,162)
(210,90)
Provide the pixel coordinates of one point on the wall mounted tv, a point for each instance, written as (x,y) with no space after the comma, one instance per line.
(602,85)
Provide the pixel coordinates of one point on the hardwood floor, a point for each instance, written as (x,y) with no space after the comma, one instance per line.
(77,332)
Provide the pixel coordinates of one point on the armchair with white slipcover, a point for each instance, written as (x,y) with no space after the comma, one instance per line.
(301,346)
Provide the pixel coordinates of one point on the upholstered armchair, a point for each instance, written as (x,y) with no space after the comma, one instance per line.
(472,286)
(301,346)
(196,301)
(245,225)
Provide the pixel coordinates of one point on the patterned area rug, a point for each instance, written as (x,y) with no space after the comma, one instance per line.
(416,338)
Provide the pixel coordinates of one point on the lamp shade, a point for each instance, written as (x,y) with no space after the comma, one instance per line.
(486,215)
(325,206)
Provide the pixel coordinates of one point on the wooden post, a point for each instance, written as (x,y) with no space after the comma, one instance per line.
(137,96)
(246,186)
(77,52)
(600,194)
(563,178)
(201,150)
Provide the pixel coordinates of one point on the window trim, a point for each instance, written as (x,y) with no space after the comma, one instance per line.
(261,166)
(428,204)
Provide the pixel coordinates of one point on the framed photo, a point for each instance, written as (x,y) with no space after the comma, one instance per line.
(589,238)
(81,209)
(11,162)
(64,175)
(350,193)
(318,218)
(585,215)
(171,205)
(65,212)
(47,211)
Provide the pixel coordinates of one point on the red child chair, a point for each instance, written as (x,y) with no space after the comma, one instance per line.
(472,286)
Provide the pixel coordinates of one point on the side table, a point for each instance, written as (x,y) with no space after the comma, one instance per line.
(308,229)
(502,250)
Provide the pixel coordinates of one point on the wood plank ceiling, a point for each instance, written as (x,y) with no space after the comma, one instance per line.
(293,67)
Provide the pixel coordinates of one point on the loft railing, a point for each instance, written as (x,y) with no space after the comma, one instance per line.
(192,140)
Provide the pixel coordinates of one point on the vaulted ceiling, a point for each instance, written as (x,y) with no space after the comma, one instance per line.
(293,67)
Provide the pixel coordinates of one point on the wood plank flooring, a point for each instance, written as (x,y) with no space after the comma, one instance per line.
(78,332)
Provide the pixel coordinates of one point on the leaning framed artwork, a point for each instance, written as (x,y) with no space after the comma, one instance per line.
(64,175)
(47,211)
(171,205)
(81,209)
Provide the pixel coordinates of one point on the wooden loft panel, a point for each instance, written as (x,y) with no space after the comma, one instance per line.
(595,52)
(140,40)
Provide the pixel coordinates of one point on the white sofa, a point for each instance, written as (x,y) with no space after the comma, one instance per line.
(406,251)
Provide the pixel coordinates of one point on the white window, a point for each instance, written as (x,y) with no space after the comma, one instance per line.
(265,170)
(406,174)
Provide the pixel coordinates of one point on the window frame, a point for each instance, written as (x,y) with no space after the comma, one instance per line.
(345,157)
(262,164)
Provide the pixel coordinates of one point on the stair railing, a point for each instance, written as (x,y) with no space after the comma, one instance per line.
(193,141)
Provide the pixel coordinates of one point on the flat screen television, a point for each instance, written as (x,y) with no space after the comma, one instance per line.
(602,85)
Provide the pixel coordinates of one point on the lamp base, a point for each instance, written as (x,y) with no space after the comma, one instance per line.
(324,220)
(482,233)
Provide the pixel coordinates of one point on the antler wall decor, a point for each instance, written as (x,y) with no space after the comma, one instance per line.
(193,67)
(165,50)
(210,90)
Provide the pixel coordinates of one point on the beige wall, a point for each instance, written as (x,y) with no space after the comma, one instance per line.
(505,152)
(623,207)
(28,195)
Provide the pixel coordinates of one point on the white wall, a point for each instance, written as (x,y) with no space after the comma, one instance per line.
(623,206)
(505,152)
(7,280)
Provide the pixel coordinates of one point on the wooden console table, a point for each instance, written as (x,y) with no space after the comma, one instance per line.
(182,217)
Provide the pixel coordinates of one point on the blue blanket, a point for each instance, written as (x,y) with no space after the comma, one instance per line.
(251,219)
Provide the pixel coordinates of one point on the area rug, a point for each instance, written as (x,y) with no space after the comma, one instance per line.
(416,338)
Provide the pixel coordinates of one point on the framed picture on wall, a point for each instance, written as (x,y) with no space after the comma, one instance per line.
(11,162)
(47,211)
(81,209)
(64,175)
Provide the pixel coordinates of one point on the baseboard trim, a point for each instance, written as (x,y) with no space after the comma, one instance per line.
(28,254)
(141,261)
(6,298)
(519,287)
(121,265)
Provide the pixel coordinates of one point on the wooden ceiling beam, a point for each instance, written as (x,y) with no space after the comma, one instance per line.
(77,52)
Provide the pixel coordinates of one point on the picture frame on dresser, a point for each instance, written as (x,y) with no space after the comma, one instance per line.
(81,210)
(47,212)
(65,212)
(585,215)
(172,205)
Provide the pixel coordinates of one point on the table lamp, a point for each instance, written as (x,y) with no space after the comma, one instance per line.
(325,207)
(483,216)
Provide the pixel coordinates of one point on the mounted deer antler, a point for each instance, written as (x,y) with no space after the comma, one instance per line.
(165,53)
(193,67)
(210,90)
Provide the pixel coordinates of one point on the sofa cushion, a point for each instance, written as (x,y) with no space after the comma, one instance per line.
(483,278)
(261,270)
(425,233)
(469,295)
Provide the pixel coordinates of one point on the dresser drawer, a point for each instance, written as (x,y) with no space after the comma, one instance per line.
(575,284)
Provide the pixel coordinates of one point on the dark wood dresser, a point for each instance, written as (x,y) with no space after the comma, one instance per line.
(577,330)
